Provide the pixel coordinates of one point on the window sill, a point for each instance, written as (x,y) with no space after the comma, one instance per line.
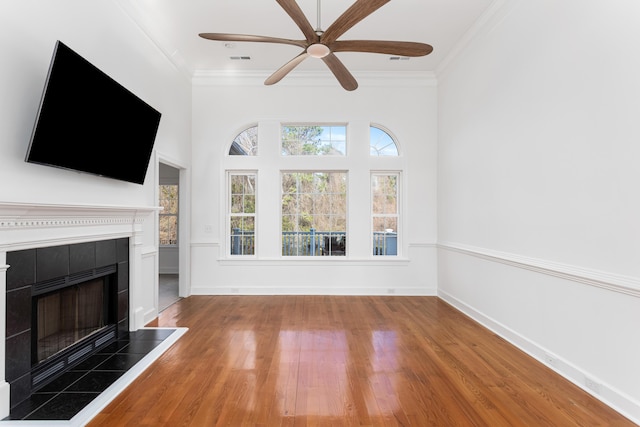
(315,261)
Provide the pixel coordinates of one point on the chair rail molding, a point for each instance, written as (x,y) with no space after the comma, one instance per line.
(613,282)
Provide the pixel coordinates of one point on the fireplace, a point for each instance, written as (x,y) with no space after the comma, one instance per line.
(64,303)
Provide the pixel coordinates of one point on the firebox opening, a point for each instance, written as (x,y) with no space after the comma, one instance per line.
(68,316)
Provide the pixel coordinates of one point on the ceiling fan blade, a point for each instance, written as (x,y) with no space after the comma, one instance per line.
(385,47)
(249,38)
(356,13)
(293,10)
(338,69)
(285,69)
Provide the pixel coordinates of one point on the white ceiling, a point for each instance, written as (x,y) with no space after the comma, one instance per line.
(174,26)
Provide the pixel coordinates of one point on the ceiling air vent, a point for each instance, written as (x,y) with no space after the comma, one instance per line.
(399,58)
(240,58)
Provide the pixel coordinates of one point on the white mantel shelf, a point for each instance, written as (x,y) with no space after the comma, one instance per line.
(24,225)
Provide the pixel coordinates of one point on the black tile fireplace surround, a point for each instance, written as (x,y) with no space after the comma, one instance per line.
(41,271)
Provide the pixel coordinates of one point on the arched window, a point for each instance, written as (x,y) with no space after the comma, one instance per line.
(246,143)
(381,143)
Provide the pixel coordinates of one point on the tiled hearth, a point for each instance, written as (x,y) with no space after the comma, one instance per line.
(94,381)
(74,397)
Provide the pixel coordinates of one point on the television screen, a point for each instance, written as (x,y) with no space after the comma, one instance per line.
(90,123)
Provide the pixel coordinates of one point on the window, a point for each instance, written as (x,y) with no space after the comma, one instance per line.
(314,140)
(384,213)
(381,143)
(314,213)
(246,143)
(242,213)
(168,215)
(313,183)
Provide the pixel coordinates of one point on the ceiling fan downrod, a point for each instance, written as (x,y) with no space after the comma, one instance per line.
(318,50)
(319,27)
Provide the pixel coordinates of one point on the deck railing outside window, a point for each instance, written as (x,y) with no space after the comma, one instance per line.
(385,243)
(313,243)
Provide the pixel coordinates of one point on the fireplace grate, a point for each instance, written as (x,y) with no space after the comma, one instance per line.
(47,371)
(72,279)
(108,337)
(72,358)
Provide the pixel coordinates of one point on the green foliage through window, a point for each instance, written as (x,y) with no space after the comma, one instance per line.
(168,217)
(314,140)
(314,213)
(384,211)
(242,213)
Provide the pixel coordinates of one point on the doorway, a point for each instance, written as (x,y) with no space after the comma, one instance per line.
(169,249)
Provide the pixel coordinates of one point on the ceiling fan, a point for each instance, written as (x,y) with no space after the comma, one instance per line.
(324,44)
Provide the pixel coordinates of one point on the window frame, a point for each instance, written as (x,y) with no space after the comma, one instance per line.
(398,215)
(229,214)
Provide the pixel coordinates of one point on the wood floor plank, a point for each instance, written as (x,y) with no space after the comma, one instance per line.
(307,361)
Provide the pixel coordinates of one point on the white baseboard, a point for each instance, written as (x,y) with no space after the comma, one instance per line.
(620,402)
(5,398)
(279,290)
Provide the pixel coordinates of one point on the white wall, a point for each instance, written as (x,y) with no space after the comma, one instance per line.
(105,35)
(222,110)
(538,187)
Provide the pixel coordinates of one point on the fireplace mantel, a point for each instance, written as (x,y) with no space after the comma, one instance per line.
(35,225)
(26,225)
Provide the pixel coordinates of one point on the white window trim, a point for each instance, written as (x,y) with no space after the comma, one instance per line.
(227,228)
(399,215)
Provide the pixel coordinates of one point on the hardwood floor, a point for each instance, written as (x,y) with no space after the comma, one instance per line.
(344,361)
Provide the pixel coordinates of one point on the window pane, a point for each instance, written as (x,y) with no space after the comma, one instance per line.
(314,140)
(168,230)
(248,223)
(168,216)
(246,143)
(250,203)
(242,212)
(381,143)
(236,203)
(384,212)
(314,217)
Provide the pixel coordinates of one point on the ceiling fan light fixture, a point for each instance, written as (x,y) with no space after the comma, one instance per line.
(318,50)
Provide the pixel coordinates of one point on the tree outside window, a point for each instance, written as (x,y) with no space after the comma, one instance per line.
(242,213)
(314,140)
(384,212)
(168,215)
(314,213)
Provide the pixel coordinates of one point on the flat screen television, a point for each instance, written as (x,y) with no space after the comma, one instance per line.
(90,123)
